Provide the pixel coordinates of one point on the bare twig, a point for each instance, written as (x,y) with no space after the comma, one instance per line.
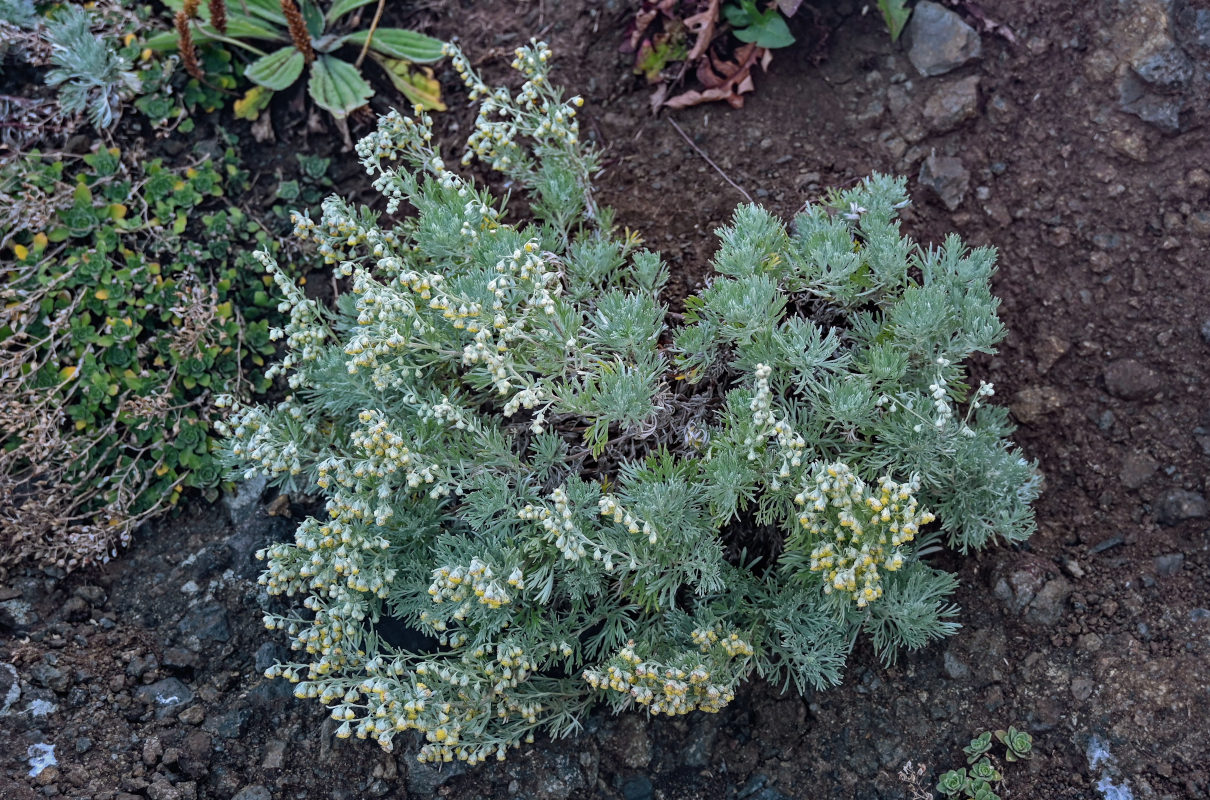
(706,158)
(365,48)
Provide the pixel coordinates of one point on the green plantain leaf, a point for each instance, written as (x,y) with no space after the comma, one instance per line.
(400,43)
(268,10)
(278,70)
(342,7)
(337,86)
(239,28)
(240,10)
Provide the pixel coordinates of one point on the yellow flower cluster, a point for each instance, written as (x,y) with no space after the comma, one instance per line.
(559,524)
(457,583)
(857,530)
(732,644)
(536,111)
(688,684)
(609,506)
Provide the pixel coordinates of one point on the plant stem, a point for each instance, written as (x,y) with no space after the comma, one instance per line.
(365,48)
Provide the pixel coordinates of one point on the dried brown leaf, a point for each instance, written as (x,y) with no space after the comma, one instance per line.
(703,25)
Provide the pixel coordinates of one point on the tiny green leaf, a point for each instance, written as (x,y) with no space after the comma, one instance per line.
(896,14)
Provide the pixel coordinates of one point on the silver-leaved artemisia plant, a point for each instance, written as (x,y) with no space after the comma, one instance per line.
(579,503)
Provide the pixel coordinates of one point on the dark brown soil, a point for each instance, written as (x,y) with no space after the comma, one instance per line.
(1095,636)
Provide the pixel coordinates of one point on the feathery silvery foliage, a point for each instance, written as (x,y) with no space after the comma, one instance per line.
(20,13)
(579,504)
(90,74)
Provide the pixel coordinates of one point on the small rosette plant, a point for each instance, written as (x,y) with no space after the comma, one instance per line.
(579,504)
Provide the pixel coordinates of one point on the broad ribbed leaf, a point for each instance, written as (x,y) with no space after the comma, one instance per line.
(337,86)
(342,7)
(239,10)
(400,43)
(268,10)
(238,27)
(278,70)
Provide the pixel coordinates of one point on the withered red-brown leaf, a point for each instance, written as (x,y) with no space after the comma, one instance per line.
(703,25)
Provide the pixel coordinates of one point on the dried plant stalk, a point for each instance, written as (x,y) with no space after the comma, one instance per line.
(218,15)
(298,29)
(185,45)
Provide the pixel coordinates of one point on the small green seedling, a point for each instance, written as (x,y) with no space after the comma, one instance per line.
(763,28)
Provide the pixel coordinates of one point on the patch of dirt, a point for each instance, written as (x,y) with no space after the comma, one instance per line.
(1094,636)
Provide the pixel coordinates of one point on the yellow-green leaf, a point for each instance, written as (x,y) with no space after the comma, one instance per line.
(417,84)
(255,100)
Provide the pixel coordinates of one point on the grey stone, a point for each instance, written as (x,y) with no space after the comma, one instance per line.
(1034,403)
(93,595)
(229,725)
(955,669)
(631,742)
(83,745)
(207,623)
(946,178)
(1168,565)
(1137,469)
(275,755)
(50,676)
(1206,325)
(180,659)
(1162,111)
(1048,349)
(17,615)
(1192,27)
(161,789)
(266,656)
(559,778)
(253,792)
(10,687)
(952,104)
(168,696)
(938,41)
(245,500)
(1081,688)
(700,741)
(424,779)
(1131,380)
(1178,505)
(637,787)
(1050,603)
(1167,68)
